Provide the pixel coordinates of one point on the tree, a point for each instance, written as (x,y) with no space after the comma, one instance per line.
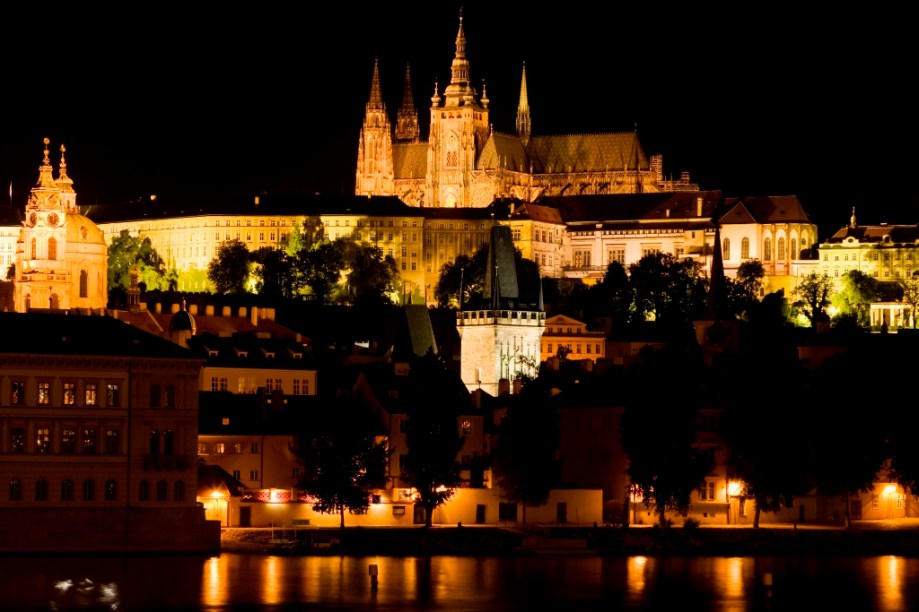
(911,295)
(275,274)
(320,269)
(229,270)
(126,253)
(467,272)
(745,289)
(666,289)
(611,297)
(525,460)
(343,458)
(372,277)
(857,292)
(658,430)
(771,459)
(432,433)
(812,296)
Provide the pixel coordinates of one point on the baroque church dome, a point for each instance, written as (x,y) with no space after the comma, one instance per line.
(61,255)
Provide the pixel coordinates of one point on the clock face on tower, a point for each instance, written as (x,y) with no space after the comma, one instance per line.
(53,219)
(33,219)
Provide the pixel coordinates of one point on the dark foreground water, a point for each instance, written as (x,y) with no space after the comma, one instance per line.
(234,582)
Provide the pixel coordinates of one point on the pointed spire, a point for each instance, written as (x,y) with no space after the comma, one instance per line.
(376,95)
(852,222)
(523,109)
(45,172)
(63,180)
(407,129)
(459,91)
(715,301)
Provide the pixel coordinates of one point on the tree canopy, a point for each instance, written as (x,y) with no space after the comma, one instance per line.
(812,296)
(344,457)
(229,270)
(433,436)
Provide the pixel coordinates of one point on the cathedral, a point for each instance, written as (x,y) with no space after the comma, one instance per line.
(466,164)
(61,255)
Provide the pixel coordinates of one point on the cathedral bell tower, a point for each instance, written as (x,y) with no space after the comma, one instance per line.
(61,256)
(374,151)
(459,130)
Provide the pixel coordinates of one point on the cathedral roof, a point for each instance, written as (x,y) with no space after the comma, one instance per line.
(410,160)
(503,151)
(587,153)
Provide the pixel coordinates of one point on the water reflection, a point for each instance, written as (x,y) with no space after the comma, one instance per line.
(232,582)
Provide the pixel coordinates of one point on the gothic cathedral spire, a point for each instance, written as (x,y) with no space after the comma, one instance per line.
(374,153)
(407,129)
(523,110)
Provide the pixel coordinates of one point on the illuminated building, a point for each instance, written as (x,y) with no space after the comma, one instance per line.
(60,254)
(466,163)
(98,434)
(564,334)
(886,253)
(500,338)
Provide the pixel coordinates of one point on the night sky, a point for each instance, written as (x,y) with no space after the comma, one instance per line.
(244,99)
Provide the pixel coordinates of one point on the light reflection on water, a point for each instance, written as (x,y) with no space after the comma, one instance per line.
(232,582)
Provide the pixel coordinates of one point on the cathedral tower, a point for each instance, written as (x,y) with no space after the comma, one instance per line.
(61,256)
(459,130)
(374,152)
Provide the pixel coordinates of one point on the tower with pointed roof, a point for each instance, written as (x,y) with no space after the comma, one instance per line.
(61,256)
(374,153)
(500,338)
(466,163)
(407,129)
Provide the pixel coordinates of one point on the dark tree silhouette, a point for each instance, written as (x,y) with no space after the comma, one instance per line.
(229,270)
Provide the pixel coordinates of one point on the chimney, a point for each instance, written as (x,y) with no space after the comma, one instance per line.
(158,308)
(225,311)
(175,308)
(209,310)
(253,316)
(241,313)
(699,207)
(504,387)
(193,309)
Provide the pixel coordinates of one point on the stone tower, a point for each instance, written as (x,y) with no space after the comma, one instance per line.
(500,340)
(61,256)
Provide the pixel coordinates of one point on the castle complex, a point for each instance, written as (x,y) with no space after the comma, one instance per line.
(466,164)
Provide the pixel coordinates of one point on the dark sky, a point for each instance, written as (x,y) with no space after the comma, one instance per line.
(244,99)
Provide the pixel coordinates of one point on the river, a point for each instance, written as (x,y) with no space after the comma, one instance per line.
(568,582)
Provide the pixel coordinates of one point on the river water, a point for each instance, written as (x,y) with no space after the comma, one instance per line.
(564,582)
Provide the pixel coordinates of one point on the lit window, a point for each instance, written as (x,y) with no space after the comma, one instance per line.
(70,393)
(44,393)
(89,395)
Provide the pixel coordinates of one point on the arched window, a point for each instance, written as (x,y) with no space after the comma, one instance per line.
(794,249)
(52,248)
(767,249)
(34,249)
(726,249)
(155,442)
(168,442)
(66,490)
(144,493)
(180,490)
(54,301)
(15,489)
(161,490)
(154,396)
(745,248)
(84,284)
(111,490)
(780,251)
